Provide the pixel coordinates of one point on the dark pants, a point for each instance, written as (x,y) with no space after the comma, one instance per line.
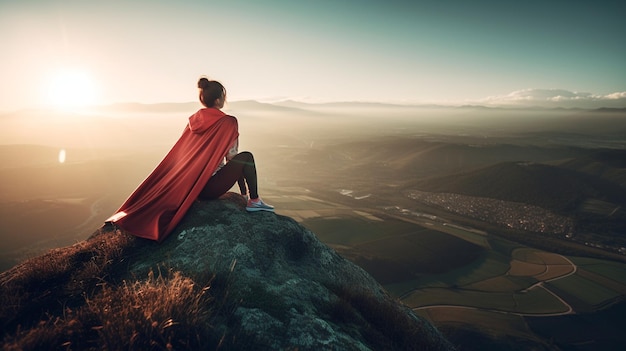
(241,170)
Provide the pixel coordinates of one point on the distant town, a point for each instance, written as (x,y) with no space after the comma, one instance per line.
(513,215)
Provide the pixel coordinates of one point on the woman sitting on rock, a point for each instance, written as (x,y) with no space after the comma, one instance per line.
(203,164)
(240,167)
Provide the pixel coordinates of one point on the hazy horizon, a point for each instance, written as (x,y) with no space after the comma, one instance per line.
(183,106)
(135,126)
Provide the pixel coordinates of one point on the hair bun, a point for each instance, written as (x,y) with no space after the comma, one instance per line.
(203,83)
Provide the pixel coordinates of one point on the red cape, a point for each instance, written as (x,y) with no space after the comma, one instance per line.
(160,202)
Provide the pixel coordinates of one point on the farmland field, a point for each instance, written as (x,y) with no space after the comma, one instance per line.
(611,270)
(585,290)
(502,289)
(360,230)
(502,284)
(533,301)
(495,323)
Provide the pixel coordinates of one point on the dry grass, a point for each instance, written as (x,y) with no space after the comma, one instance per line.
(38,284)
(67,299)
(80,298)
(161,313)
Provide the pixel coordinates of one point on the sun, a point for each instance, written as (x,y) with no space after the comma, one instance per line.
(71,87)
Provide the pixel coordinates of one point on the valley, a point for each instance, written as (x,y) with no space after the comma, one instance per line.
(464,278)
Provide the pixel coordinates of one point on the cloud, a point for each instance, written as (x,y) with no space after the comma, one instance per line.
(557,98)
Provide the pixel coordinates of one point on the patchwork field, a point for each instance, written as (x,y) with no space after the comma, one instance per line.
(496,324)
(455,276)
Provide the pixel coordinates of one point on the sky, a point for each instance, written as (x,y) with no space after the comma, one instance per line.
(566,53)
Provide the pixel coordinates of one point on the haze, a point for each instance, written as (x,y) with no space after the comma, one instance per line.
(74,168)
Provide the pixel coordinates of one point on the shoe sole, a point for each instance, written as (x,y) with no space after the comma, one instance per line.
(256,209)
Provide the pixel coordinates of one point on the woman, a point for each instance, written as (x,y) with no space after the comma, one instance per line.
(193,169)
(240,167)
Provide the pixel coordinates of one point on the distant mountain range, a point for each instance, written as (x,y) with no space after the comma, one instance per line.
(254,104)
(292,104)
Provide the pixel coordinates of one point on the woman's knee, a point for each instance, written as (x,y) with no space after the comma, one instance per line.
(246,156)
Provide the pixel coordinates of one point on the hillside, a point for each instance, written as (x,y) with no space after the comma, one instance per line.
(225,279)
(607,164)
(410,157)
(554,188)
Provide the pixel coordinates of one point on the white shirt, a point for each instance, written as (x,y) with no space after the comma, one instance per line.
(232,152)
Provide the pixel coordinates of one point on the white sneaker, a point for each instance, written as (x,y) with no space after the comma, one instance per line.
(258,205)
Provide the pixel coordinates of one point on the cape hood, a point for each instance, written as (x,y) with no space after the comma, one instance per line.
(160,202)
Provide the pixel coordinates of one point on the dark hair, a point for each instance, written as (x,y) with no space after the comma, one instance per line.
(210,90)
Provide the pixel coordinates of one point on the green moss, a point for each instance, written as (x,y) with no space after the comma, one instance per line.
(258,297)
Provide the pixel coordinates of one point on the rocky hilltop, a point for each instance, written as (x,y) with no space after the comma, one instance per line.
(224,279)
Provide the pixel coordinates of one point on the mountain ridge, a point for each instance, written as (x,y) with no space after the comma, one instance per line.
(554,188)
(288,103)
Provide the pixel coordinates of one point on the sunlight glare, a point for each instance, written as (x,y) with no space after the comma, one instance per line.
(62,156)
(71,88)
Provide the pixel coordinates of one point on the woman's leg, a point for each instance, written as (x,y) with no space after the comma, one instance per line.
(242,186)
(240,169)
